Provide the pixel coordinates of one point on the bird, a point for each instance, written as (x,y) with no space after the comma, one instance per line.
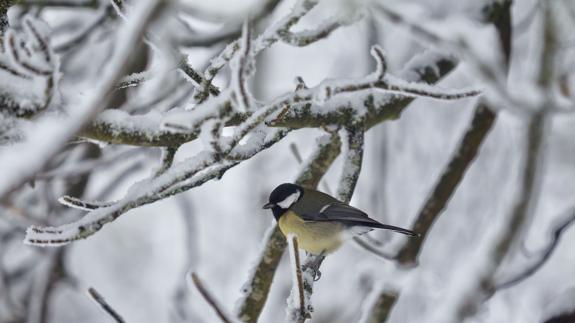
(320,222)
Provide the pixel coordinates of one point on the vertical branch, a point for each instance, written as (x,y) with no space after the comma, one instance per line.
(257,287)
(352,163)
(243,70)
(382,307)
(297,313)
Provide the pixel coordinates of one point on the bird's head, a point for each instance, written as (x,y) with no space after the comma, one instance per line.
(283,197)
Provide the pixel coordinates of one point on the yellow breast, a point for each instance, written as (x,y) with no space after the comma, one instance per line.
(313,237)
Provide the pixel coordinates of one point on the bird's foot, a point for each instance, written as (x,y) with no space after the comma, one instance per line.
(313,264)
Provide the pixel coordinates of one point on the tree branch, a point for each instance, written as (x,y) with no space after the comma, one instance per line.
(545,255)
(481,124)
(464,155)
(122,129)
(104,305)
(297,312)
(210,299)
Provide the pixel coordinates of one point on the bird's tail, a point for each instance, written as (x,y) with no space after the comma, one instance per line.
(396,229)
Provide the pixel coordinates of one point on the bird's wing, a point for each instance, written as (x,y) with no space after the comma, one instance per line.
(338,211)
(350,217)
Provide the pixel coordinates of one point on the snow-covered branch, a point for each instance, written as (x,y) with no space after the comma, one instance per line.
(353,157)
(16,172)
(382,99)
(298,310)
(465,153)
(304,38)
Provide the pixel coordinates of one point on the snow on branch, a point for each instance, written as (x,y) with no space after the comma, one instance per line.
(490,69)
(227,33)
(242,71)
(168,155)
(183,176)
(196,77)
(381,65)
(353,157)
(298,310)
(265,40)
(297,108)
(82,205)
(304,38)
(28,70)
(211,71)
(374,99)
(37,151)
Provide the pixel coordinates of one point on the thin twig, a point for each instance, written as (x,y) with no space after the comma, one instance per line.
(545,255)
(168,155)
(210,299)
(372,249)
(79,204)
(298,284)
(104,305)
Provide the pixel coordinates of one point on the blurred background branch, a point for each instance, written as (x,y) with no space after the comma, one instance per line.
(108,107)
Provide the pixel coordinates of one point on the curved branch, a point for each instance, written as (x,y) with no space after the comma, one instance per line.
(545,255)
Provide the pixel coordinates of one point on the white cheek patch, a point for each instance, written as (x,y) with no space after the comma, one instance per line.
(288,201)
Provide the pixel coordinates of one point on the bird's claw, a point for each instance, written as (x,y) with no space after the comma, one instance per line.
(316,275)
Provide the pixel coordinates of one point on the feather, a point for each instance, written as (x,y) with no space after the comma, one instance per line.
(350,217)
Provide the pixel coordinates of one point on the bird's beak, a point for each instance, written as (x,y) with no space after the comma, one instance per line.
(268,206)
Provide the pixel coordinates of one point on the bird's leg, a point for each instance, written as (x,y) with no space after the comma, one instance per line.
(313,262)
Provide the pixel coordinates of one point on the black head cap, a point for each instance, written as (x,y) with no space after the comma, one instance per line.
(282,197)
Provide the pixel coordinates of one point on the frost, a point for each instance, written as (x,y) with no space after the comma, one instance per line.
(28,70)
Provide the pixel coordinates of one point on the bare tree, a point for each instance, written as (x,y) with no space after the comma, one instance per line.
(84,111)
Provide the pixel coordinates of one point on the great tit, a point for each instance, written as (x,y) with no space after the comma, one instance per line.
(320,222)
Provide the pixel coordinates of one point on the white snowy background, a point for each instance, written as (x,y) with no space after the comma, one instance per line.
(138,261)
